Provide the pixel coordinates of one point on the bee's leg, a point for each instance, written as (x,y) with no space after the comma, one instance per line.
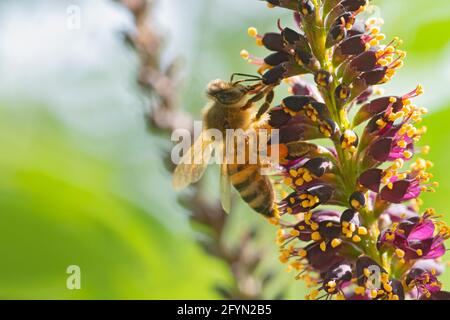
(266,105)
(253,99)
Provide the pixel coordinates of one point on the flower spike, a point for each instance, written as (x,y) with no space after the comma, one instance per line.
(374,244)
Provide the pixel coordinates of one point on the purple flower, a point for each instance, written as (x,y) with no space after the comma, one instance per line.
(423,281)
(415,238)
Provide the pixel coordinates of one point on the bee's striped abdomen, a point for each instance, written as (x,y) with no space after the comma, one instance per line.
(254,188)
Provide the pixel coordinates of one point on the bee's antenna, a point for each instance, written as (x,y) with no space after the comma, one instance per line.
(254,78)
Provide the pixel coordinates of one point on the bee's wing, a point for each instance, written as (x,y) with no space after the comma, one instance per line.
(187,171)
(225,188)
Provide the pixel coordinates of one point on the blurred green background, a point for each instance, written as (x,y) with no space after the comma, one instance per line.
(82,181)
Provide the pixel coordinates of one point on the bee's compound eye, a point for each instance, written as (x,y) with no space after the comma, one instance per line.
(229,96)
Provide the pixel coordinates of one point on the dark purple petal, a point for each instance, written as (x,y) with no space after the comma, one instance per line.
(441,295)
(371,179)
(273,41)
(401,191)
(380,149)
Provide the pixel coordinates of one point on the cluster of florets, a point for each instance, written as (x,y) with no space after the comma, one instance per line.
(373,243)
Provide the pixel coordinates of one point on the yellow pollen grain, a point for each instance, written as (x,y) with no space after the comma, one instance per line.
(419,252)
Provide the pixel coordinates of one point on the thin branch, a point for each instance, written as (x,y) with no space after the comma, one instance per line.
(164,116)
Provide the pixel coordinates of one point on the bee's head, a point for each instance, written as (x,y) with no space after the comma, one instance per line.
(226,93)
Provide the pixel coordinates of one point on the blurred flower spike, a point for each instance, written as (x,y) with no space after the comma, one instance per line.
(349,217)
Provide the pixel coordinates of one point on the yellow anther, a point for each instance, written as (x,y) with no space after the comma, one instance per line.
(407,154)
(331,284)
(419,90)
(316,236)
(336,242)
(387,287)
(392,99)
(244,54)
(360,290)
(274,221)
(375,30)
(400,253)
(313,295)
(293,173)
(252,32)
(362,231)
(356,238)
(352,227)
(355,203)
(419,252)
(402,144)
(374,293)
(302,253)
(323,246)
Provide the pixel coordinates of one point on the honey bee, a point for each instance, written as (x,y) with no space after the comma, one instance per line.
(230,108)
